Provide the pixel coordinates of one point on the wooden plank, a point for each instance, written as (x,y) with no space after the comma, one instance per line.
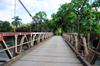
(39,38)
(43,37)
(76,45)
(71,39)
(86,49)
(90,44)
(28,45)
(15,44)
(32,43)
(7,50)
(20,47)
(95,56)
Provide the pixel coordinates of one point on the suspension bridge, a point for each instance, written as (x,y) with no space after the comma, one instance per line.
(45,49)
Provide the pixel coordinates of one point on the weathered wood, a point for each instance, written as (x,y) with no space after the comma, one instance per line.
(86,49)
(30,39)
(28,45)
(42,37)
(95,56)
(15,44)
(20,47)
(32,43)
(39,38)
(76,45)
(53,51)
(71,39)
(7,50)
(90,44)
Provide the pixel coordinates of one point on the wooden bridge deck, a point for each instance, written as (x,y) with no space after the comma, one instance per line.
(54,52)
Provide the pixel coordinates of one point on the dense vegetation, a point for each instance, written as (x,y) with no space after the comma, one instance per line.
(87,20)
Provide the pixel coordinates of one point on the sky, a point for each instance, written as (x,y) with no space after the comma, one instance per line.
(34,6)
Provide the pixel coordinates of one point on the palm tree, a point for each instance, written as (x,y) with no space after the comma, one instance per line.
(17,21)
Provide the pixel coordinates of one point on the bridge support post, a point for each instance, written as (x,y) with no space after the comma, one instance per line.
(28,45)
(43,37)
(20,47)
(71,39)
(15,44)
(39,38)
(76,45)
(90,44)
(32,43)
(95,56)
(7,50)
(85,45)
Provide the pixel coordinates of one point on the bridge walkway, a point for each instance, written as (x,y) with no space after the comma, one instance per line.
(54,52)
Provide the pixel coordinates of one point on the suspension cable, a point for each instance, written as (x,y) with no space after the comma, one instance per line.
(30,24)
(31,15)
(14,14)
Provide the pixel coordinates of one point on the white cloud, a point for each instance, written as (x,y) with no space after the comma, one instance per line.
(7,8)
(44,4)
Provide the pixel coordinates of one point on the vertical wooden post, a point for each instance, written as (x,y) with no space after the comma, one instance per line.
(30,39)
(32,43)
(15,44)
(7,50)
(43,37)
(20,47)
(71,40)
(39,38)
(28,45)
(76,45)
(78,41)
(86,50)
(90,44)
(95,56)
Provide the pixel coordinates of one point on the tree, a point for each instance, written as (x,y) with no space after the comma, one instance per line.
(68,12)
(40,17)
(6,27)
(17,21)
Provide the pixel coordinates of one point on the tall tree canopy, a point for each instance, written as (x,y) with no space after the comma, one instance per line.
(68,12)
(17,21)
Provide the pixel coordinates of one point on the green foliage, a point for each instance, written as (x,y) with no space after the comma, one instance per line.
(17,21)
(58,31)
(5,27)
(94,47)
(67,13)
(77,56)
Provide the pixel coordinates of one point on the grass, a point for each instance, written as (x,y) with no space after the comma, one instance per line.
(77,56)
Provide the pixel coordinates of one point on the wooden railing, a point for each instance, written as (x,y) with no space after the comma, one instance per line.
(26,40)
(83,43)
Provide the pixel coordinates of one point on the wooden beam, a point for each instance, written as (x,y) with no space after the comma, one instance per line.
(90,44)
(15,44)
(20,47)
(76,45)
(71,39)
(28,45)
(32,43)
(7,50)
(86,49)
(39,38)
(95,56)
(43,37)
